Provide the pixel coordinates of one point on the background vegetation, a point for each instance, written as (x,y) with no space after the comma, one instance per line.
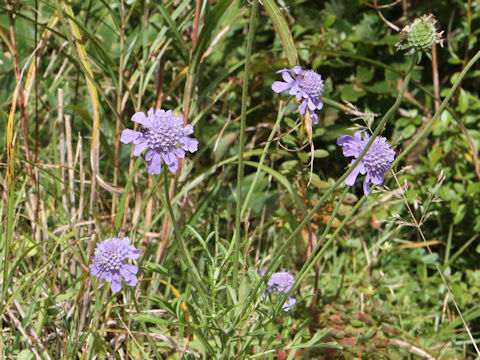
(398,275)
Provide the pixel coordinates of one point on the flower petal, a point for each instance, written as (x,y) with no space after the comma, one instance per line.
(129,135)
(189,144)
(138,149)
(350,180)
(116,284)
(179,152)
(366,185)
(131,280)
(352,146)
(187,130)
(288,304)
(297,70)
(133,269)
(297,92)
(133,252)
(279,86)
(94,269)
(377,178)
(107,275)
(358,135)
(287,77)
(154,166)
(302,107)
(171,161)
(140,118)
(311,105)
(129,277)
(344,139)
(149,155)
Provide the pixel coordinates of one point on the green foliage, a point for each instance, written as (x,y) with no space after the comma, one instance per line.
(391,276)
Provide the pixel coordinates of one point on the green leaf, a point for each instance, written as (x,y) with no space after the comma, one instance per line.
(460,214)
(408,131)
(351,92)
(364,73)
(462,101)
(329,20)
(25,355)
(320,153)
(171,24)
(211,22)
(281,27)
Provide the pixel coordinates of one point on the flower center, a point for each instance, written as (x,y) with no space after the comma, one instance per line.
(378,157)
(164,135)
(112,260)
(312,84)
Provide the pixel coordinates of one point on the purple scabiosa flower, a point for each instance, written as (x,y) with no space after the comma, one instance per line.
(109,262)
(376,162)
(303,84)
(281,282)
(289,304)
(162,132)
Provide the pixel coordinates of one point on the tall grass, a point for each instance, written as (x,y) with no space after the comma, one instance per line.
(242,207)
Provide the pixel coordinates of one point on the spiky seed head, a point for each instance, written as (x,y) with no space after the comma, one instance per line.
(421,34)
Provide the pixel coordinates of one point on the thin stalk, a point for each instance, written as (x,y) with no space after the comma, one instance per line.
(178,237)
(273,263)
(93,327)
(21,100)
(144,327)
(187,100)
(119,108)
(281,112)
(316,255)
(440,109)
(419,229)
(241,143)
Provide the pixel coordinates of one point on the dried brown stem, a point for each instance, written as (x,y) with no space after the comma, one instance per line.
(21,100)
(186,111)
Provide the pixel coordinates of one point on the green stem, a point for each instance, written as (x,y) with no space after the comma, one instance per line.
(241,143)
(316,253)
(440,109)
(144,328)
(281,112)
(93,327)
(253,294)
(178,237)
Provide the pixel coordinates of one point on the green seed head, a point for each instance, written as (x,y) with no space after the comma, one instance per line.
(421,34)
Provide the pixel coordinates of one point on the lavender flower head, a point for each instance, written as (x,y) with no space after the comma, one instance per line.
(109,262)
(281,282)
(289,304)
(303,84)
(376,162)
(162,132)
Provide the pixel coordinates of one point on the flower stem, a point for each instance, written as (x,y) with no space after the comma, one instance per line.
(254,293)
(241,143)
(178,237)
(281,112)
(440,109)
(317,252)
